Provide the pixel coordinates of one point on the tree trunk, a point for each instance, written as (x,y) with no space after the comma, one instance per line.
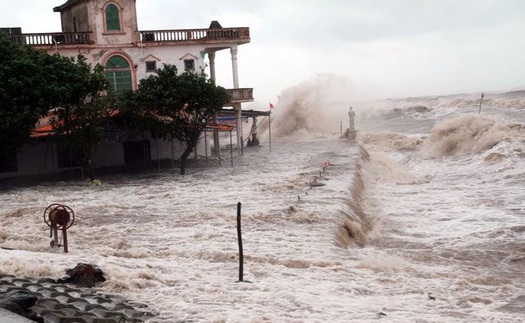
(183,159)
(183,166)
(88,171)
(86,166)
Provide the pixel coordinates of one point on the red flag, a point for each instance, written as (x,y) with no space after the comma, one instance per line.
(271,106)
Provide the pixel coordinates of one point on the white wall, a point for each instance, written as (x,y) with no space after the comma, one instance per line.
(137,56)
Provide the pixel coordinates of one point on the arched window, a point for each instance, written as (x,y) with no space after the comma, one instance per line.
(118,73)
(112,18)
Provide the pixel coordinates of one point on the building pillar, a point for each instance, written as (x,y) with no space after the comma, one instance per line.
(211,56)
(238,124)
(237,106)
(216,140)
(235,70)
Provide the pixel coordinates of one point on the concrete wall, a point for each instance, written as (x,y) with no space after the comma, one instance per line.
(90,16)
(76,15)
(37,158)
(41,157)
(128,23)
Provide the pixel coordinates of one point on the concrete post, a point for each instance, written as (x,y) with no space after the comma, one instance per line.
(216,141)
(211,56)
(237,106)
(235,69)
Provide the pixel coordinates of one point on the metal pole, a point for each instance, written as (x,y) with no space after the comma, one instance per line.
(55,233)
(480,103)
(157,146)
(218,147)
(341,126)
(71,163)
(239,237)
(172,155)
(270,130)
(64,237)
(206,145)
(231,148)
(53,148)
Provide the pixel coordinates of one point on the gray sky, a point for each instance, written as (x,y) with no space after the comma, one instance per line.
(381,48)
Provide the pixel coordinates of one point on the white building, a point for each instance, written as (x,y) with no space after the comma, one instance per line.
(106,32)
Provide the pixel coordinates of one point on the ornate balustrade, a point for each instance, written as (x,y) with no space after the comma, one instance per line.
(52,38)
(240,95)
(183,35)
(235,35)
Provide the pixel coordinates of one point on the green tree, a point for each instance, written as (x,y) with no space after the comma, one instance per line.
(25,93)
(179,106)
(35,84)
(81,107)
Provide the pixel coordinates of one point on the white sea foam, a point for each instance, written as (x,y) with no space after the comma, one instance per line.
(419,237)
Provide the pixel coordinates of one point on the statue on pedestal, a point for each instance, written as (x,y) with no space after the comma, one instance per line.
(351,117)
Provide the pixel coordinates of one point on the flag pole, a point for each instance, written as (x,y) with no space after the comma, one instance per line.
(270,123)
(270,130)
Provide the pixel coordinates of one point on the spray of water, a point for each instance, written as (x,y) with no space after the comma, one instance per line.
(313,108)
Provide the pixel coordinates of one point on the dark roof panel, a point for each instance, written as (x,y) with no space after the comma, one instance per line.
(215,25)
(66,5)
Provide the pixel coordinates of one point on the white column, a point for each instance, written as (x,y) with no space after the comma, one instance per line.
(238,121)
(211,56)
(216,140)
(237,106)
(235,70)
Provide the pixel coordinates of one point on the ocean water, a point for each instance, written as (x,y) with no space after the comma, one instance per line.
(421,219)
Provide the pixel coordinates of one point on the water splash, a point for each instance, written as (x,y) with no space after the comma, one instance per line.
(313,108)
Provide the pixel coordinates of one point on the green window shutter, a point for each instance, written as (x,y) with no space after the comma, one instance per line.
(112,18)
(118,73)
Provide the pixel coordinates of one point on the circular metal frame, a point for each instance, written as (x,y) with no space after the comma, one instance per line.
(54,207)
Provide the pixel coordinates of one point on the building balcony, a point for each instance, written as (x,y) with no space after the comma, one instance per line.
(147,38)
(240,95)
(196,36)
(43,39)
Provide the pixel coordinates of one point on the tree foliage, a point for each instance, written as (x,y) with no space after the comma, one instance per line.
(178,106)
(25,93)
(34,84)
(82,107)
(72,93)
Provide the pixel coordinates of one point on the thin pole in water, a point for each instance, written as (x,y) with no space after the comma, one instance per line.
(206,145)
(231,148)
(480,101)
(239,237)
(270,130)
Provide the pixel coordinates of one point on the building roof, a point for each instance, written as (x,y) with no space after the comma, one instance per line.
(215,25)
(67,5)
(244,113)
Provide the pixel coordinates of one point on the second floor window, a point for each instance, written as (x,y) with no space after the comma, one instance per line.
(189,65)
(112,18)
(151,66)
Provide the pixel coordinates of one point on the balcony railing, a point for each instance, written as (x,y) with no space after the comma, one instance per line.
(240,95)
(52,38)
(240,35)
(185,35)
